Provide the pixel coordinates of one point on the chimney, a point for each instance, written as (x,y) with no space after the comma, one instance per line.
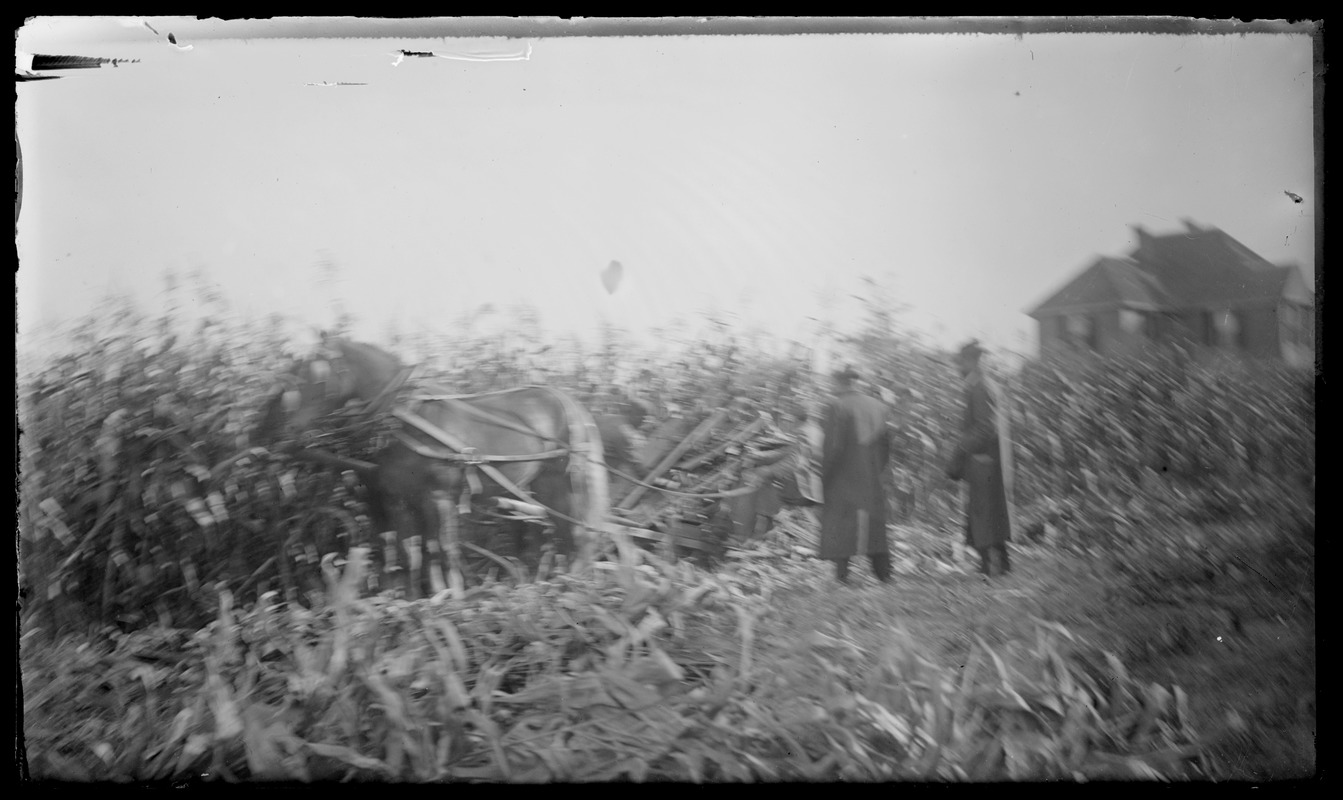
(1142,236)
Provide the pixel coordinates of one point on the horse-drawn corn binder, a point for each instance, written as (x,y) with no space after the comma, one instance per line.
(448,471)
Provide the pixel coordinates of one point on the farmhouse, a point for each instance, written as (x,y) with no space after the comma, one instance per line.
(1197,286)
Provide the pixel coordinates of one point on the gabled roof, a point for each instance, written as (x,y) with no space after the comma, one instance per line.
(1107,283)
(1137,288)
(1201,267)
(1194,268)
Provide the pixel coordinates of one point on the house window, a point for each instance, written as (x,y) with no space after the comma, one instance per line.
(1133,322)
(1298,325)
(1081,331)
(1226,328)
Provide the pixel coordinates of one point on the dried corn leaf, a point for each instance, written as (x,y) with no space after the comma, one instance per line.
(346,755)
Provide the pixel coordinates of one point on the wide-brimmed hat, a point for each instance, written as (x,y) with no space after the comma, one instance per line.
(970,351)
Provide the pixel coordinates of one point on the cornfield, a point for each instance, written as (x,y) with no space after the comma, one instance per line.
(204,607)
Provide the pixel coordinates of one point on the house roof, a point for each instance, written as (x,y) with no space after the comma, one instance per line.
(1108,282)
(1134,286)
(1201,267)
(1194,268)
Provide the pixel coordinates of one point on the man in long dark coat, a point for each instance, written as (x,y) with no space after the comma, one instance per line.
(854,453)
(982,458)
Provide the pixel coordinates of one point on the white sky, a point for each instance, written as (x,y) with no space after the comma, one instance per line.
(752,174)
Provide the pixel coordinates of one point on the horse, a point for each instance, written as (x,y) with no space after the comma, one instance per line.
(533,451)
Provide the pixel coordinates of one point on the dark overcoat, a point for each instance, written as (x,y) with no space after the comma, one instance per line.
(854,453)
(982,459)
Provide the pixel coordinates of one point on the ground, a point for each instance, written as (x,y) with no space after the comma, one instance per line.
(1242,645)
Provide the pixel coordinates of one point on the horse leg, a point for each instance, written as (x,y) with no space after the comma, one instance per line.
(412,546)
(448,542)
(375,496)
(552,489)
(443,498)
(389,517)
(437,580)
(400,542)
(431,568)
(527,544)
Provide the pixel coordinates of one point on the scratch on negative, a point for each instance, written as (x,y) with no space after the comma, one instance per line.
(521,55)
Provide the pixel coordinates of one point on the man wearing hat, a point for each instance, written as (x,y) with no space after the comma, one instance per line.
(983,459)
(854,451)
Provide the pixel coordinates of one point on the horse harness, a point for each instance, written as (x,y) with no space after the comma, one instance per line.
(447,447)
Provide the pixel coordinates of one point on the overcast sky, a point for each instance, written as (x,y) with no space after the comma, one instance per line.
(758,175)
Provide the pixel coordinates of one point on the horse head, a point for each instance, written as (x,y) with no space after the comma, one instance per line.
(340,371)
